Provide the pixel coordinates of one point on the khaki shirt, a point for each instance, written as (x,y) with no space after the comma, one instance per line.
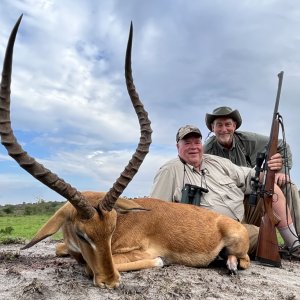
(227,183)
(245,147)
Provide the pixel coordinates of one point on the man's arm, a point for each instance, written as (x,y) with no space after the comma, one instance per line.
(163,185)
(254,143)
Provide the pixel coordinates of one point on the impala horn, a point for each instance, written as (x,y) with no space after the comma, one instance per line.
(142,149)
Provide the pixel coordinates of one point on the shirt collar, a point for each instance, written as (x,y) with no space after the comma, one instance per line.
(203,168)
(232,147)
(190,166)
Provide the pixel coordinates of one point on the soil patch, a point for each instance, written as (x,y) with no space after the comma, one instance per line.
(36,273)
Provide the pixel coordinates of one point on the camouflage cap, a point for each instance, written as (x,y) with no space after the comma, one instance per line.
(185,130)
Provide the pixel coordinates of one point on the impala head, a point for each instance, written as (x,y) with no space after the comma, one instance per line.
(94,223)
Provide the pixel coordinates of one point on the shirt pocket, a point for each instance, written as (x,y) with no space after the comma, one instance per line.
(227,182)
(232,197)
(230,190)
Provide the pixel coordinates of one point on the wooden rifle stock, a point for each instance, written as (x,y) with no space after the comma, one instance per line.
(267,251)
(267,246)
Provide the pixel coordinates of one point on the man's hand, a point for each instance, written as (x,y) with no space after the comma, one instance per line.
(275,163)
(281,179)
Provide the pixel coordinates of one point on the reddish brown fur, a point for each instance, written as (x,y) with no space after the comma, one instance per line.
(179,233)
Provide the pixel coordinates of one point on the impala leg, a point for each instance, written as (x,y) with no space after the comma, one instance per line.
(232,264)
(244,262)
(140,264)
(136,260)
(61,249)
(236,239)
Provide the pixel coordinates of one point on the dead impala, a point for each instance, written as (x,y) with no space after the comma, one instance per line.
(110,234)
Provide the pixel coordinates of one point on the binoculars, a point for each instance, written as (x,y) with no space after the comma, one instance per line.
(191,194)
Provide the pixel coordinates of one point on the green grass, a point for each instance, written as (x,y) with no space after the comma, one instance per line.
(279,238)
(22,227)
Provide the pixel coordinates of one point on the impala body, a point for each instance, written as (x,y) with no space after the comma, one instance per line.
(146,233)
(110,234)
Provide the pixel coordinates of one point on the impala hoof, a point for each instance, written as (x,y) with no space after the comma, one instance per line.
(109,285)
(110,282)
(232,264)
(159,262)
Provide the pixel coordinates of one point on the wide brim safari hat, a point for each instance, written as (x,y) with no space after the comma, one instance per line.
(223,112)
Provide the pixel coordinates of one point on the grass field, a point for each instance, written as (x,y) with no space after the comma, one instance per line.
(22,227)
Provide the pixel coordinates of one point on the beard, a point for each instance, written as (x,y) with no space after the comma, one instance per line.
(225,139)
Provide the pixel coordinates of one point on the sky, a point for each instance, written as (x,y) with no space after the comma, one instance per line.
(70,108)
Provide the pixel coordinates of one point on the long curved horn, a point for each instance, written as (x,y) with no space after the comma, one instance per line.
(14,149)
(145,139)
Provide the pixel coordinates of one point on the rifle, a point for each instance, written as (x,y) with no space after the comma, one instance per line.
(267,247)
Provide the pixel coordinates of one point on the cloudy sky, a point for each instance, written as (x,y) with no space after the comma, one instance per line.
(70,107)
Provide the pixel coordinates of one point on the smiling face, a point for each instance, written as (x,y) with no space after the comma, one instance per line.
(190,150)
(224,128)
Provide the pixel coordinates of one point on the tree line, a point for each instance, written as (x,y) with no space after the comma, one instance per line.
(38,208)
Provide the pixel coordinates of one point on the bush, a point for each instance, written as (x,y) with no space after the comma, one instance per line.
(30,210)
(8,209)
(7,230)
(11,240)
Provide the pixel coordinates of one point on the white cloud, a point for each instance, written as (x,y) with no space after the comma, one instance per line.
(70,106)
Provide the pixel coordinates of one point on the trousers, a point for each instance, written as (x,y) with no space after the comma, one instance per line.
(291,194)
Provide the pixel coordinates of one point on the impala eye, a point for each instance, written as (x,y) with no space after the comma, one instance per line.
(82,236)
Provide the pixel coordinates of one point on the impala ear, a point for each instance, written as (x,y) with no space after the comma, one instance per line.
(124,206)
(123,211)
(51,227)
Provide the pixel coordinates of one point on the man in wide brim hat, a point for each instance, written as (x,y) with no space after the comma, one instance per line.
(241,147)
(223,112)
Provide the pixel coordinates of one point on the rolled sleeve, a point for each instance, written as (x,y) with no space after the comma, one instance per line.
(163,185)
